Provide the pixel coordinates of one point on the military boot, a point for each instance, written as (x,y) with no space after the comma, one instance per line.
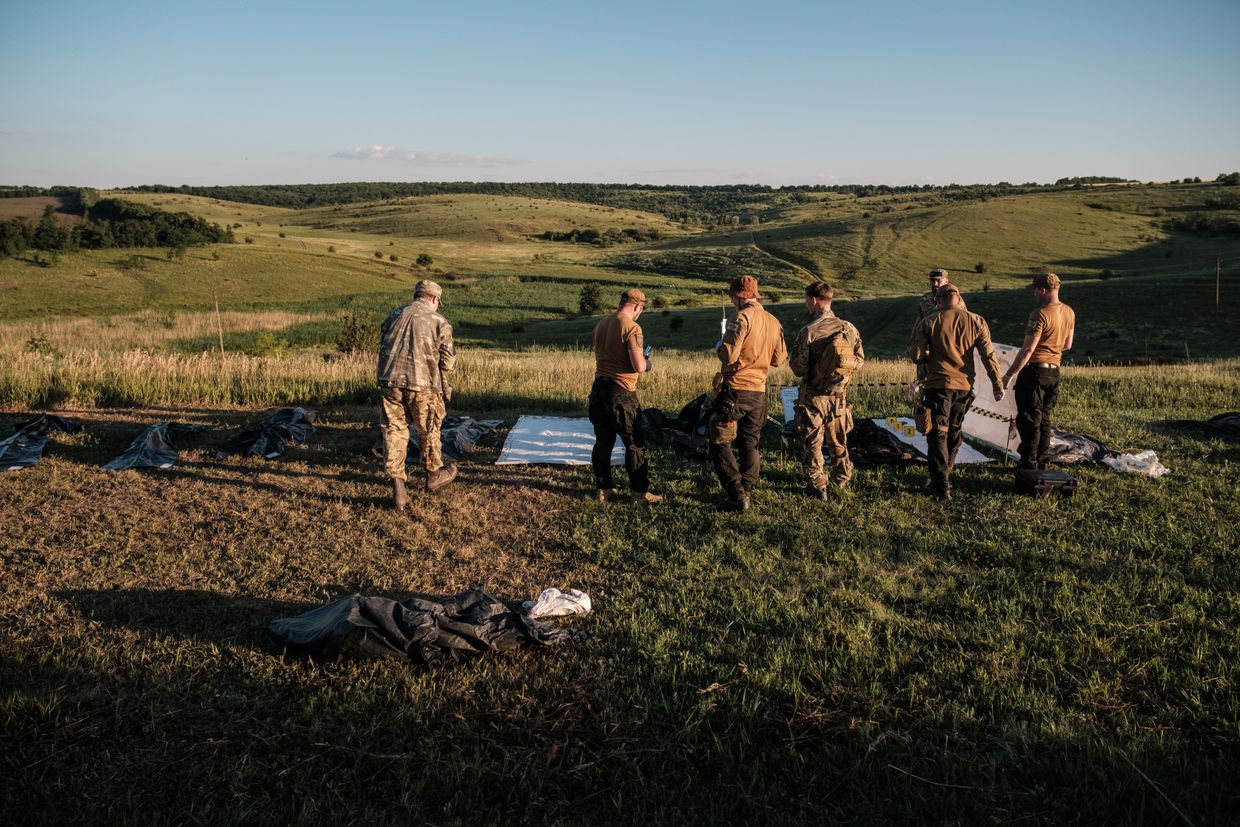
(400,499)
(646,497)
(602,495)
(441,477)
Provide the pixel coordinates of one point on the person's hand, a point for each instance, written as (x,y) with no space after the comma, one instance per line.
(999,394)
(447,395)
(649,365)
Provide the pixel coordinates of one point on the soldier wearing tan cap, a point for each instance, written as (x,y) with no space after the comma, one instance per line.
(1048,334)
(619,356)
(944,343)
(752,343)
(416,356)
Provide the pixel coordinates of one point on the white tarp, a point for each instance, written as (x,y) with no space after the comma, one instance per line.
(901,427)
(553,440)
(996,428)
(906,432)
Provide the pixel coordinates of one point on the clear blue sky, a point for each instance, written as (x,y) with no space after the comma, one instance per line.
(121,93)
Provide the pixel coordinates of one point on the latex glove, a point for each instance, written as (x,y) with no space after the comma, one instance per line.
(723,328)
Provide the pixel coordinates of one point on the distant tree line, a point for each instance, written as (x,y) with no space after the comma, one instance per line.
(727,205)
(1091,179)
(109,222)
(607,238)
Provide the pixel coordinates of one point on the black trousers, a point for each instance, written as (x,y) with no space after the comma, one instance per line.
(1037,391)
(741,475)
(614,412)
(947,410)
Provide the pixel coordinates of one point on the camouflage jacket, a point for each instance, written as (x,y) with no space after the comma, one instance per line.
(416,351)
(827,352)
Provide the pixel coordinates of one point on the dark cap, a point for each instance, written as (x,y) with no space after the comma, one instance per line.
(427,288)
(633,296)
(1047,281)
(744,287)
(938,273)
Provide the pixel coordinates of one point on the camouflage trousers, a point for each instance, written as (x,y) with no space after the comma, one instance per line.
(425,409)
(824,420)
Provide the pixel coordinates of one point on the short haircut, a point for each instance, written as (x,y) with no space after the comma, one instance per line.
(819,290)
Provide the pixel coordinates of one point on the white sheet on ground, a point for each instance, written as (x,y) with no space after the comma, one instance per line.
(906,432)
(553,440)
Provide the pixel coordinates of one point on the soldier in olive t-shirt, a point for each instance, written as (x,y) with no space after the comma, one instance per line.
(1036,368)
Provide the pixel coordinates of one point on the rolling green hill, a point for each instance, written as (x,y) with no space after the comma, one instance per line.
(1141,277)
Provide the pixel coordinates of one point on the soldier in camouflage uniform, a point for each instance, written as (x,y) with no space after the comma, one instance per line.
(416,355)
(826,353)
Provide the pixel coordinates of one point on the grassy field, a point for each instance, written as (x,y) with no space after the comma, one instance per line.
(886,659)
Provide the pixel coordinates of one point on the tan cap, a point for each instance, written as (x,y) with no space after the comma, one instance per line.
(427,288)
(1047,281)
(938,273)
(632,296)
(947,290)
(744,287)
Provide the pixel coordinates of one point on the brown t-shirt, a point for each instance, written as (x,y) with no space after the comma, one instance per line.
(614,337)
(1053,325)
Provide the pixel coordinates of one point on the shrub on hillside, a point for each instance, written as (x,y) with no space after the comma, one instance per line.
(590,302)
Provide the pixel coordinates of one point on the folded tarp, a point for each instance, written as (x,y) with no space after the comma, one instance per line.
(457,437)
(454,629)
(154,447)
(270,439)
(553,440)
(25,448)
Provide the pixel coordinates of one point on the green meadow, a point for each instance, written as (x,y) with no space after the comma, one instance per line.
(884,658)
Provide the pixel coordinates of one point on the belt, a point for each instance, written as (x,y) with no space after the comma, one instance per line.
(1044,365)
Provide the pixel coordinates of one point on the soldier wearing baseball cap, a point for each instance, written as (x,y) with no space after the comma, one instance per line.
(620,355)
(942,347)
(416,357)
(752,343)
(1036,367)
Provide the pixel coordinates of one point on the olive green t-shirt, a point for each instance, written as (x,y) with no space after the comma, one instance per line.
(1053,326)
(614,337)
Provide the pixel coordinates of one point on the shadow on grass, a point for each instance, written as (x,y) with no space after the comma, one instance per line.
(190,614)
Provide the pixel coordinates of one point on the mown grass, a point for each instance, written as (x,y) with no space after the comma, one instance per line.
(887,658)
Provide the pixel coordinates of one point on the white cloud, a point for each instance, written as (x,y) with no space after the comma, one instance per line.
(421,158)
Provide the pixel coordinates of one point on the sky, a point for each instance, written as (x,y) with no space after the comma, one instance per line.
(127,93)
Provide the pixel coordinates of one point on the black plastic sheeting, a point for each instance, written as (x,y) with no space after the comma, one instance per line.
(25,448)
(451,630)
(457,437)
(269,440)
(1067,448)
(1224,426)
(154,447)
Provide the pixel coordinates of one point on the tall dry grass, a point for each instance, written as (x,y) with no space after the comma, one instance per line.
(147,330)
(488,380)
